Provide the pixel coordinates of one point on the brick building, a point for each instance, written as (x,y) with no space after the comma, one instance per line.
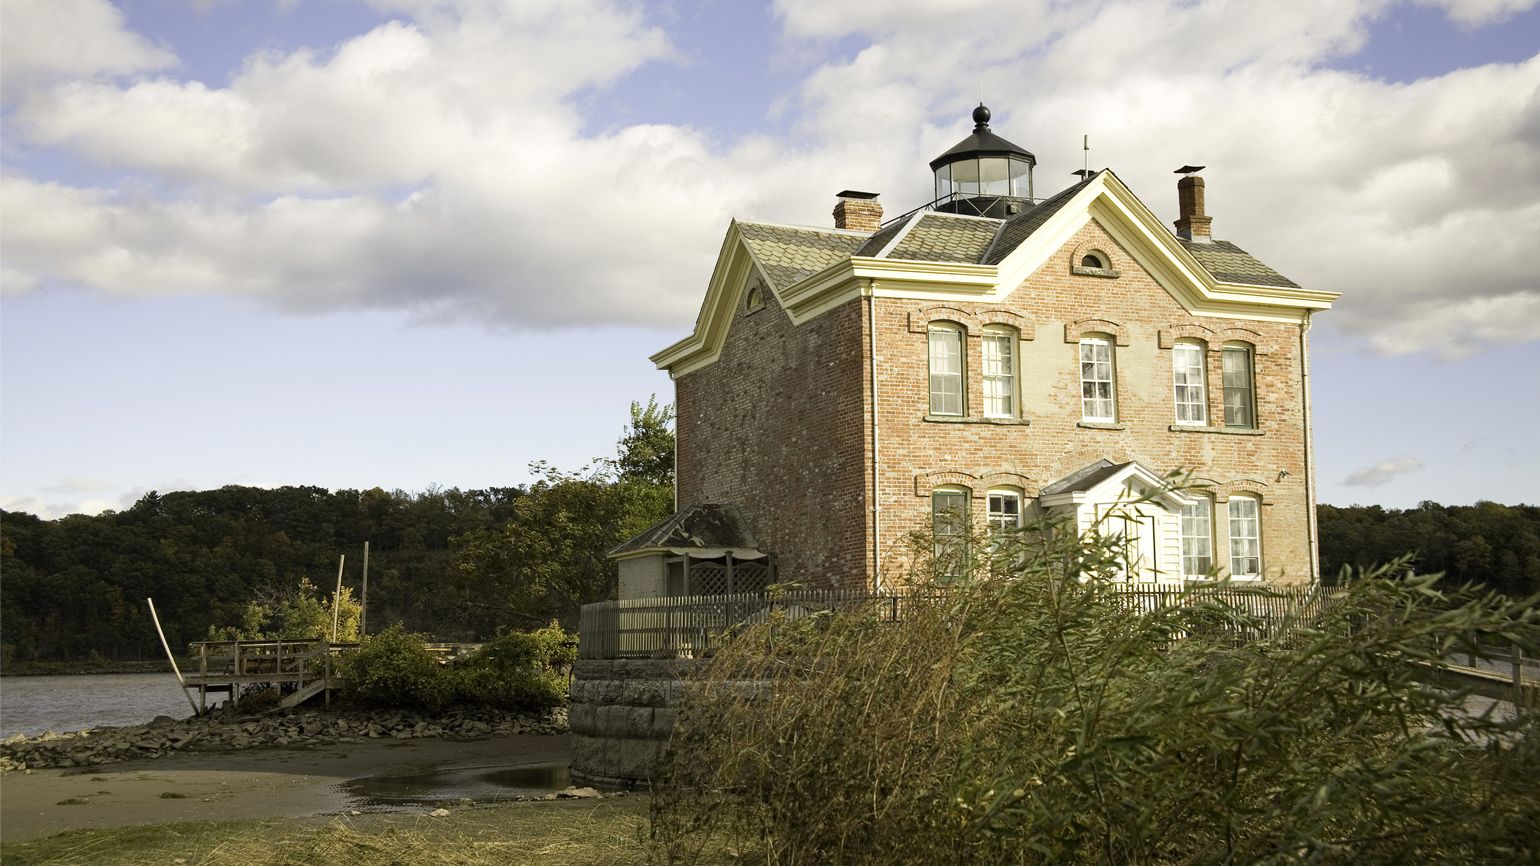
(989,357)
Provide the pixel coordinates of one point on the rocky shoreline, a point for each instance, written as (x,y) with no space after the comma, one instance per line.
(228,729)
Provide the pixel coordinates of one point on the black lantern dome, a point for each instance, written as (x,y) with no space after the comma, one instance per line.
(983,174)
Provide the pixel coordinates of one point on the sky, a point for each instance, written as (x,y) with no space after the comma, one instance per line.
(407,243)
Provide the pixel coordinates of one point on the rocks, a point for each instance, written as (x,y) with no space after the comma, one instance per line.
(223,730)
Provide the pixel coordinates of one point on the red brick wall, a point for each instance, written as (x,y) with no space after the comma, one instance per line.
(1052,445)
(776,427)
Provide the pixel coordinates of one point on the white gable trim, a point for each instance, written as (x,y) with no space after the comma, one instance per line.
(1110,489)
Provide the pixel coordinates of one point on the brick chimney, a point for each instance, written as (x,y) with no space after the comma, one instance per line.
(857,210)
(1193,223)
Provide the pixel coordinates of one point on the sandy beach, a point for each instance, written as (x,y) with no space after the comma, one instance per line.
(255,783)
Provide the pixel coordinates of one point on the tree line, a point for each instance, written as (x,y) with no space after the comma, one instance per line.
(459,564)
(1487,543)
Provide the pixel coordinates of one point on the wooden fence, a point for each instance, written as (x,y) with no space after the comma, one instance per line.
(695,626)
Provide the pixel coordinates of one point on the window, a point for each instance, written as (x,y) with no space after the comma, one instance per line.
(949,519)
(754,300)
(1091,260)
(999,372)
(946,369)
(1197,538)
(1191,399)
(1245,536)
(1240,396)
(1004,510)
(1096,390)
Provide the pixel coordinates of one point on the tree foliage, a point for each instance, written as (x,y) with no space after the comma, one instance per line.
(1486,543)
(461,564)
(1038,718)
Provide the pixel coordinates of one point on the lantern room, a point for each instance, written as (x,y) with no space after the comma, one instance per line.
(983,175)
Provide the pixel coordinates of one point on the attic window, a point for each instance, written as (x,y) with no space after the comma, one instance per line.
(755,299)
(1092,262)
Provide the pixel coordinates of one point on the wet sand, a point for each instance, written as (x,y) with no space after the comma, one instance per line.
(255,783)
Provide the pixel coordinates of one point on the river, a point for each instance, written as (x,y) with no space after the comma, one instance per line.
(32,705)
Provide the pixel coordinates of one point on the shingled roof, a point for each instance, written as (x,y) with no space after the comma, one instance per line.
(791,254)
(695,528)
(1231,264)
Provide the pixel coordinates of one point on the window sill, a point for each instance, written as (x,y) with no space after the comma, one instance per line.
(1101,425)
(1223,431)
(967,419)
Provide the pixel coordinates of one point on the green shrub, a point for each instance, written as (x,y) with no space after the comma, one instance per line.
(1034,718)
(518,670)
(395,669)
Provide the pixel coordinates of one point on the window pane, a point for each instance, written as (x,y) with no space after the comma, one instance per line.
(949,517)
(1240,400)
(1197,539)
(992,176)
(1019,178)
(1245,537)
(1096,388)
(943,181)
(965,177)
(946,371)
(1191,402)
(999,375)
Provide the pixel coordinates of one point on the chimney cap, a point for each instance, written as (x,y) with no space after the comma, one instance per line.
(1189,169)
(856,194)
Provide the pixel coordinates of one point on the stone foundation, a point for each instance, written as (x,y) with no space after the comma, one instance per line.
(621,716)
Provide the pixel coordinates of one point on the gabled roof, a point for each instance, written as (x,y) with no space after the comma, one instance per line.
(790,254)
(934,256)
(1096,483)
(695,529)
(1231,264)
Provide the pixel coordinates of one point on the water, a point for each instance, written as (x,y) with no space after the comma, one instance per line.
(442,787)
(32,705)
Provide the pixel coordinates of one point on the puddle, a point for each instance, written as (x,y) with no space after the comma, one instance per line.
(442,787)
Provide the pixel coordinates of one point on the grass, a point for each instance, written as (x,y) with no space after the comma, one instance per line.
(580,833)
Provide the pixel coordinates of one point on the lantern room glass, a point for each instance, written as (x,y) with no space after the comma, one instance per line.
(985,176)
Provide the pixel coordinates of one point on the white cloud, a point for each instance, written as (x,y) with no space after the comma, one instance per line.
(1382,473)
(44,40)
(1475,13)
(439,163)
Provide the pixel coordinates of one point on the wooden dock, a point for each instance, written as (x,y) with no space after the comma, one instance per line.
(302,668)
(229,666)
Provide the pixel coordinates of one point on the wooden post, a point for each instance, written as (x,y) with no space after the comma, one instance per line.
(363,609)
(337,597)
(685,579)
(729,572)
(1517,657)
(180,681)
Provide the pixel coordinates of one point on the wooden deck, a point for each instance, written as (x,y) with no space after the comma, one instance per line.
(227,667)
(308,666)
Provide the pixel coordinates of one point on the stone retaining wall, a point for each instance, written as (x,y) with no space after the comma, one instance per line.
(621,716)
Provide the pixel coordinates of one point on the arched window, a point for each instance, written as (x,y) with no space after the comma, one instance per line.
(755,299)
(1097,393)
(946,369)
(949,514)
(1245,536)
(1000,372)
(1191,395)
(1092,260)
(1239,385)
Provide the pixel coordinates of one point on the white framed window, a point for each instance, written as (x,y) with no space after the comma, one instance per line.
(1004,510)
(946,369)
(999,372)
(1245,536)
(1198,538)
(1240,390)
(1097,395)
(1191,395)
(949,522)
